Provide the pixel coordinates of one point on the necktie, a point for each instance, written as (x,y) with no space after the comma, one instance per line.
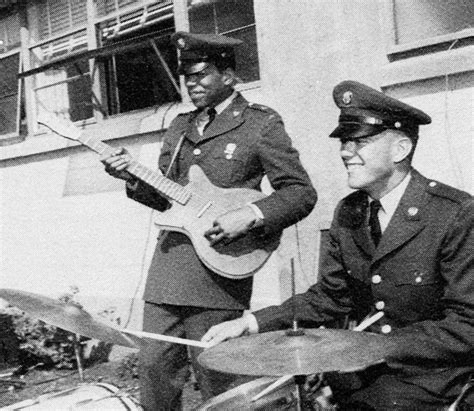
(211,115)
(374,224)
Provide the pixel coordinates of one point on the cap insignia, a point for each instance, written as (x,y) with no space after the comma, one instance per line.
(347,97)
(181,43)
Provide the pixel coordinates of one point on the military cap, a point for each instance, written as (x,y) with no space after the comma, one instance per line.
(199,49)
(366,112)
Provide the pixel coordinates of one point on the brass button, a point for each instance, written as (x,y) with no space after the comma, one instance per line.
(376,279)
(386,329)
(197,151)
(380,305)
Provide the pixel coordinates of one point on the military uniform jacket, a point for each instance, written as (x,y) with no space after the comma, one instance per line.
(420,276)
(243,143)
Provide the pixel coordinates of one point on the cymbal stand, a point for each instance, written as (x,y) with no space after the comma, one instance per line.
(294,331)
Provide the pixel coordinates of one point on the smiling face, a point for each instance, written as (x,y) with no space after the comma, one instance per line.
(374,163)
(209,87)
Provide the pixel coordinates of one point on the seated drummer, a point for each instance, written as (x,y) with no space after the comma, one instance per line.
(413,262)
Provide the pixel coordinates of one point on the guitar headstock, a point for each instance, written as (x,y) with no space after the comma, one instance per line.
(63,127)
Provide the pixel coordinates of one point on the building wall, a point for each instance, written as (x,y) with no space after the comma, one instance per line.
(63,226)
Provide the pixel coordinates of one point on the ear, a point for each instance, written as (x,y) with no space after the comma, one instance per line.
(401,148)
(229,77)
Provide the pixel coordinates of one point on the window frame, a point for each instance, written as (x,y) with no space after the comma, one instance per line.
(423,59)
(417,46)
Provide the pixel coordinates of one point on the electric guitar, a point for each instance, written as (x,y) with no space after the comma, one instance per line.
(194,209)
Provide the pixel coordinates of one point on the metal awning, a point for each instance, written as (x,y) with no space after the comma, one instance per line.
(105,51)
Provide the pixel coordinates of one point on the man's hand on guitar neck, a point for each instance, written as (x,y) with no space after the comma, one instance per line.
(233,224)
(117,163)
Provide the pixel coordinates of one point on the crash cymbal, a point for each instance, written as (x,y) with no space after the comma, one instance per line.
(69,317)
(317,350)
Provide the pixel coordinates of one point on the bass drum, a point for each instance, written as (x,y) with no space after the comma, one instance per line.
(90,397)
(239,398)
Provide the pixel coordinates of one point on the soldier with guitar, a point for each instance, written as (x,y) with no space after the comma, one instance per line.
(220,152)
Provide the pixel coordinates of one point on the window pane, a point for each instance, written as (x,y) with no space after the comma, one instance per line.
(9,94)
(141,79)
(59,16)
(9,32)
(234,18)
(105,7)
(66,91)
(423,19)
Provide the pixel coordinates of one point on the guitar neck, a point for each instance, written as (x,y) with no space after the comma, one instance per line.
(159,182)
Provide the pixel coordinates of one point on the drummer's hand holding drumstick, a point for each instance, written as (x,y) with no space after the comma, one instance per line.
(230,329)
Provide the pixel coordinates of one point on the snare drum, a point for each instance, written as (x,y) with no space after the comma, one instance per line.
(239,398)
(90,397)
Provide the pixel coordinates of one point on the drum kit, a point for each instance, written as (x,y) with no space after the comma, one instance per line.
(282,359)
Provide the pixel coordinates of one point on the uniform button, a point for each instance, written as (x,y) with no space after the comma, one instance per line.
(432,184)
(386,329)
(376,279)
(197,151)
(418,279)
(380,305)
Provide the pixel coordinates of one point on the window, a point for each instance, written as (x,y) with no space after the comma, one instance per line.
(9,96)
(10,91)
(234,18)
(143,75)
(424,19)
(429,26)
(63,89)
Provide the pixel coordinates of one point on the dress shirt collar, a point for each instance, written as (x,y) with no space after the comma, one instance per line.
(224,104)
(390,202)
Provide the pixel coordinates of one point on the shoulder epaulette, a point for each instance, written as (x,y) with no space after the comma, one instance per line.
(443,190)
(261,107)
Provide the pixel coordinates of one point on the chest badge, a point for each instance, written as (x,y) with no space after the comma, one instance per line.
(229,150)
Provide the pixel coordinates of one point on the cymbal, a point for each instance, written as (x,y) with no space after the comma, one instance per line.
(69,317)
(317,350)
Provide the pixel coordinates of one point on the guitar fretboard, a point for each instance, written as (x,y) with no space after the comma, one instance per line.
(155,179)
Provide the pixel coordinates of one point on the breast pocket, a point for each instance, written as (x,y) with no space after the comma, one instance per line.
(420,292)
(416,277)
(226,172)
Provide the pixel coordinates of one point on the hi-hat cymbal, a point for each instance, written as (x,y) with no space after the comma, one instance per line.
(69,317)
(317,350)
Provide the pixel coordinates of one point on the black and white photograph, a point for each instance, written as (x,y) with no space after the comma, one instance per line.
(221,205)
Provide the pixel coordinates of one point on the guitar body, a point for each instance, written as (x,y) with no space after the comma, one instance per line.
(240,258)
(194,208)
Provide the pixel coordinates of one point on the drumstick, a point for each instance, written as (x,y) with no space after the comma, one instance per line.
(168,338)
(368,321)
(273,386)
